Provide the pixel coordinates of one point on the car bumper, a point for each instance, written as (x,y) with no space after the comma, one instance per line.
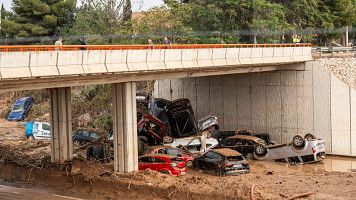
(237,172)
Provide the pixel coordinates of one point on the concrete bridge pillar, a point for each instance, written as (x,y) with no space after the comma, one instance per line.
(125,127)
(61,125)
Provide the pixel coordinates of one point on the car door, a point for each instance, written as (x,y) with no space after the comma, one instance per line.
(240,145)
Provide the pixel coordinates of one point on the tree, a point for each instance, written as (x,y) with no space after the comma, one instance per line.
(102,17)
(39,17)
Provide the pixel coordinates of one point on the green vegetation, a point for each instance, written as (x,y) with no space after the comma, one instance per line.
(39,18)
(184,21)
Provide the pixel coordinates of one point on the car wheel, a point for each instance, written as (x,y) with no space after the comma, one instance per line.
(298,141)
(260,150)
(167,139)
(189,163)
(309,136)
(76,143)
(164,172)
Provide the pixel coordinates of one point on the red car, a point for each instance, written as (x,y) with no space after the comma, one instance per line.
(172,151)
(165,164)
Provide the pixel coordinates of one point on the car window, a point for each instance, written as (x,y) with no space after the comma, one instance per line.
(17,108)
(162,151)
(94,135)
(235,158)
(213,155)
(146,159)
(228,142)
(84,133)
(173,152)
(46,127)
(240,142)
(158,160)
(193,147)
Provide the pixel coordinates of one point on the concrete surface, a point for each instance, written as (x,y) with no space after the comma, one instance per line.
(61,125)
(125,127)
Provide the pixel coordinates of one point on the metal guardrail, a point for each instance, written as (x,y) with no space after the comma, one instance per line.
(333,50)
(139,47)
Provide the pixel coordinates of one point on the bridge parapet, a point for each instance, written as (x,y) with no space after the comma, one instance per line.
(41,61)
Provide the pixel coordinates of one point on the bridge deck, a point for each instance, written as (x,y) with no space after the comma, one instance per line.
(55,66)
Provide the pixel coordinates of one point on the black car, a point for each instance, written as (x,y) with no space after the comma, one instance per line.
(222,162)
(82,136)
(177,115)
(248,146)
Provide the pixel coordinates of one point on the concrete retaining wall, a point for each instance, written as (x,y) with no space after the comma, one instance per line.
(282,103)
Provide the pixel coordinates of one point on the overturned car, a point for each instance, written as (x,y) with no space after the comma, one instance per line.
(301,150)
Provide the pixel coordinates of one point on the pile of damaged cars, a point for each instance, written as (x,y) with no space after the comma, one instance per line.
(170,139)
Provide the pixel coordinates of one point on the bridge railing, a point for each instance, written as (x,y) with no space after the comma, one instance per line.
(26,48)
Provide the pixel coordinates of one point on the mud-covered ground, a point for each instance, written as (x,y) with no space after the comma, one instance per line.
(29,161)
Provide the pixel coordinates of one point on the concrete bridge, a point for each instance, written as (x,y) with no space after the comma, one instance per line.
(60,67)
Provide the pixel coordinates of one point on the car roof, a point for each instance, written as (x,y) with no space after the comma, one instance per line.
(226,152)
(158,154)
(22,99)
(246,137)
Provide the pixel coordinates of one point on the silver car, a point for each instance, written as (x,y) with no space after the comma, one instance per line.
(301,150)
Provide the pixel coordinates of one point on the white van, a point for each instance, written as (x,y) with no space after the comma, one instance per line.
(41,130)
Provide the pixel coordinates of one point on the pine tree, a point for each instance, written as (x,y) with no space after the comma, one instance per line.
(39,17)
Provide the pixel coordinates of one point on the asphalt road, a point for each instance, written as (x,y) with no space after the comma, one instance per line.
(11,191)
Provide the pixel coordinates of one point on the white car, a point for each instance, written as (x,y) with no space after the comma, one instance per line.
(41,130)
(193,144)
(300,150)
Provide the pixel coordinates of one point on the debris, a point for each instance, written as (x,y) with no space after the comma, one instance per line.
(252,197)
(269,172)
(301,195)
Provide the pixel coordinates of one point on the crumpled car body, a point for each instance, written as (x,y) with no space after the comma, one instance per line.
(193,145)
(222,162)
(178,116)
(153,131)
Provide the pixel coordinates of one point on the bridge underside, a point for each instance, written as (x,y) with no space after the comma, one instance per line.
(94,79)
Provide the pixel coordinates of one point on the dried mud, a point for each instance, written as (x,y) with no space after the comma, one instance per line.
(29,161)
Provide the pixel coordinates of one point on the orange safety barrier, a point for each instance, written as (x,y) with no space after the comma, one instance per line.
(17,48)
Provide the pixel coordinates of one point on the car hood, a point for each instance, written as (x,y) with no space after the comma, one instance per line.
(15,115)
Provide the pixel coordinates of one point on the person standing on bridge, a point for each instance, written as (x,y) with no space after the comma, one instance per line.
(58,43)
(150,44)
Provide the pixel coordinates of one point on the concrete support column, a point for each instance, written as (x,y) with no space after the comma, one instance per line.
(61,125)
(125,127)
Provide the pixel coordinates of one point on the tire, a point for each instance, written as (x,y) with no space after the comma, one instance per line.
(89,152)
(141,147)
(309,136)
(164,172)
(260,150)
(189,164)
(167,139)
(298,141)
(99,152)
(196,165)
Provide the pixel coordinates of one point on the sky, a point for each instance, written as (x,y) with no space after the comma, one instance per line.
(137,5)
